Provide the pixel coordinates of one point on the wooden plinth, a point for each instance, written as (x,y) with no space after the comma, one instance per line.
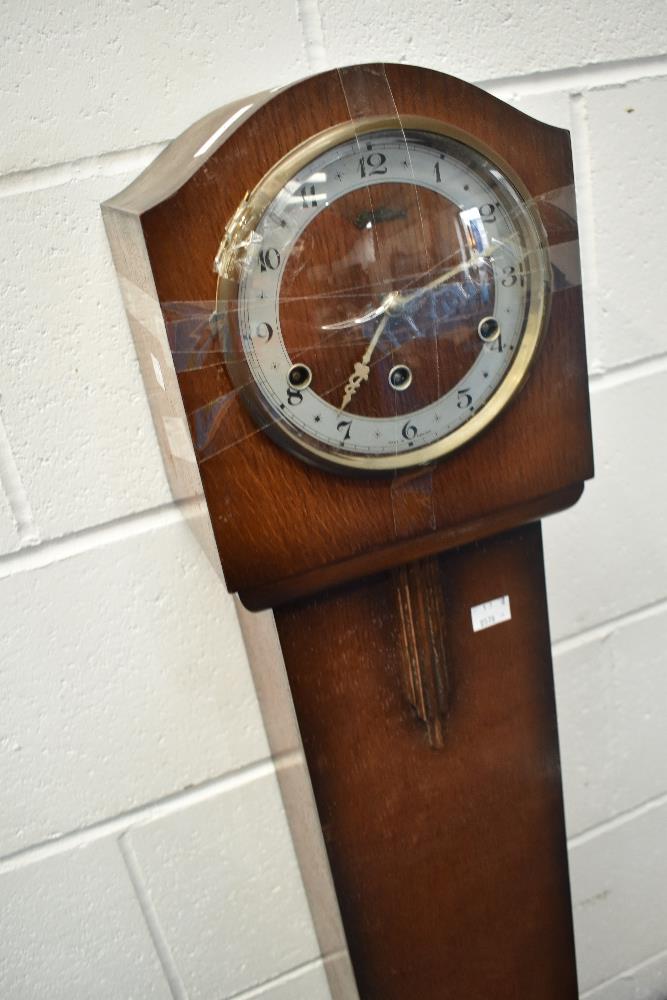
(448,853)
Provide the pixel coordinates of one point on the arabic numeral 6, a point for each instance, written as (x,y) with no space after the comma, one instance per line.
(409,431)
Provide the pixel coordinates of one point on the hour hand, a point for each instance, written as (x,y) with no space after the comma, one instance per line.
(359,375)
(362,368)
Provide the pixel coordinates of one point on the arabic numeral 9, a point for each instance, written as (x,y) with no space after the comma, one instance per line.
(264,331)
(488,212)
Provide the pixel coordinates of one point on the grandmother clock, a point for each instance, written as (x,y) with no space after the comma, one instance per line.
(369,285)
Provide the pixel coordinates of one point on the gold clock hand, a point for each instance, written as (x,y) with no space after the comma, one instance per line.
(394,299)
(402,299)
(362,368)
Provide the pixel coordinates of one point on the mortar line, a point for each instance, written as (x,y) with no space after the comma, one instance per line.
(17,497)
(627,371)
(609,73)
(602,629)
(309,17)
(163,951)
(630,971)
(56,174)
(259,990)
(619,820)
(150,811)
(96,536)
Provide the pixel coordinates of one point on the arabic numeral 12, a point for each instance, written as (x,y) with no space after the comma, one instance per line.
(374,163)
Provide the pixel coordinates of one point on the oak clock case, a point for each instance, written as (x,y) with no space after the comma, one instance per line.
(362,293)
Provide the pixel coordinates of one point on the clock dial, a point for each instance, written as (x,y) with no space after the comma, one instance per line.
(387,291)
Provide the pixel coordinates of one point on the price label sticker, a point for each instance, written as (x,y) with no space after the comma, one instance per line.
(490,613)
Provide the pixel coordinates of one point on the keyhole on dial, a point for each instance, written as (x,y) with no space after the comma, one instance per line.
(489,329)
(300,376)
(400,377)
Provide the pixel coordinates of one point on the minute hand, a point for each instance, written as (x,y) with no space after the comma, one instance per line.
(402,299)
(362,368)
(394,299)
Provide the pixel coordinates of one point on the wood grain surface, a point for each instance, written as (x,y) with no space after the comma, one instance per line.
(422,644)
(450,865)
(281,525)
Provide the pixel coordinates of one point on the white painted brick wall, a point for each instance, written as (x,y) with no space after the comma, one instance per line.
(204,884)
(143,848)
(72,926)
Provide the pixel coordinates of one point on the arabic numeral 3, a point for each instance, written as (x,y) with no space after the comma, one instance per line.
(510,277)
(464,400)
(294,396)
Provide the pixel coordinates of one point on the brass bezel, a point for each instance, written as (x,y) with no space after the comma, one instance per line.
(534,240)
